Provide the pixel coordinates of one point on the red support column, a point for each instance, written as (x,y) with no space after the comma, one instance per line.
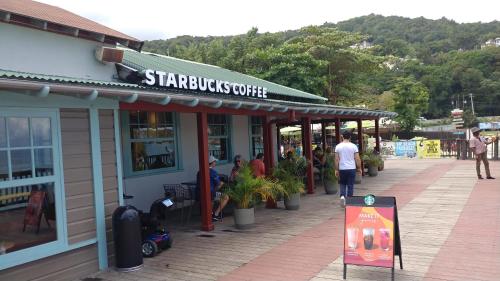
(337,130)
(269,154)
(360,136)
(268,145)
(323,135)
(377,135)
(206,202)
(306,128)
(360,144)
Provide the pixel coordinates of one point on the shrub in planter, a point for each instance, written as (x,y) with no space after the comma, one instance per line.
(381,165)
(330,180)
(372,159)
(289,174)
(246,191)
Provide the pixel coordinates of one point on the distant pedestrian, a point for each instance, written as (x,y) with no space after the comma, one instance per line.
(478,145)
(347,162)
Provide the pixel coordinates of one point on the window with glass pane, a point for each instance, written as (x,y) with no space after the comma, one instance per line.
(218,136)
(27,183)
(257,141)
(152,140)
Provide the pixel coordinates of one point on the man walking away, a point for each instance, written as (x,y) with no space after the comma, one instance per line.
(479,146)
(347,161)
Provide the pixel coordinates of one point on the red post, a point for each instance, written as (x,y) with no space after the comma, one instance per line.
(206,203)
(360,136)
(268,144)
(337,130)
(291,116)
(306,129)
(377,135)
(268,154)
(360,144)
(323,135)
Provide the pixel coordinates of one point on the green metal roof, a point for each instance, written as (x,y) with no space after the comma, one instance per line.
(142,61)
(62,79)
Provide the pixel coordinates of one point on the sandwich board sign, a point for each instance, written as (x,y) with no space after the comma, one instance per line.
(371,232)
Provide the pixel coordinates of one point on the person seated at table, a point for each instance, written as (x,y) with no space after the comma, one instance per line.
(215,186)
(318,160)
(257,165)
(236,168)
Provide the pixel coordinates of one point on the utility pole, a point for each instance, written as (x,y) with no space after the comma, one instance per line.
(472,104)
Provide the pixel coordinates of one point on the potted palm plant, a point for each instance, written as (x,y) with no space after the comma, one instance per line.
(381,165)
(372,159)
(246,191)
(290,174)
(330,181)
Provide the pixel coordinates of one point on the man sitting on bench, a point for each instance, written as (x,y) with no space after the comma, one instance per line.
(215,185)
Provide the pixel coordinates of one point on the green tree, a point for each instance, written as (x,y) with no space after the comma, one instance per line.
(411,99)
(342,62)
(470,120)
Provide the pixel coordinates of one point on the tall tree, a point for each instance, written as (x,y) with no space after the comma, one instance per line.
(411,99)
(342,61)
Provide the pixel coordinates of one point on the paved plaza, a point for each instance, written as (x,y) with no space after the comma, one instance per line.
(449,222)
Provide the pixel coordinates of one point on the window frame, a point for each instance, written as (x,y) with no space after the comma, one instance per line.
(127,141)
(227,136)
(61,243)
(252,135)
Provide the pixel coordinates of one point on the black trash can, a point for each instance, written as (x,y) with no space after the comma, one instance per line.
(127,238)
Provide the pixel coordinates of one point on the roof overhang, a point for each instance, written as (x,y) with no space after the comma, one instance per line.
(42,89)
(41,24)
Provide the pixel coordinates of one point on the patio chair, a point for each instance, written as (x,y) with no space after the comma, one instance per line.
(180,194)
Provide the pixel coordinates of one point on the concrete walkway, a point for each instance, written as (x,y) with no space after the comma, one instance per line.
(449,222)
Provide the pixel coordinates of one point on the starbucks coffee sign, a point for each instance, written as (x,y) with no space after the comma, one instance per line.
(193,83)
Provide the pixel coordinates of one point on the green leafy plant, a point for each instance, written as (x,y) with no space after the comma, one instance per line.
(372,158)
(329,170)
(295,166)
(247,190)
(290,174)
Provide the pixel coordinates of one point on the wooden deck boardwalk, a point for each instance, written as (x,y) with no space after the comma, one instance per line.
(449,221)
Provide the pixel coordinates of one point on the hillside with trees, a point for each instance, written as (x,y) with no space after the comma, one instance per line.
(414,66)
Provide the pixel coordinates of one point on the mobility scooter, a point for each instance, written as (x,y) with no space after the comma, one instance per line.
(154,236)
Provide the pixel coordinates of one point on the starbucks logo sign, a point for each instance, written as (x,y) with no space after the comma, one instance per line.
(369,199)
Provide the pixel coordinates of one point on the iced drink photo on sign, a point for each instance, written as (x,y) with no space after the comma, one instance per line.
(368,238)
(352,238)
(384,238)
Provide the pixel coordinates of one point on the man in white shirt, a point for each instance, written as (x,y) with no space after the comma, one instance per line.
(347,162)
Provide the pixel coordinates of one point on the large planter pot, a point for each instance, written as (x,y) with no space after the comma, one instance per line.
(331,187)
(357,179)
(244,218)
(372,170)
(292,202)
